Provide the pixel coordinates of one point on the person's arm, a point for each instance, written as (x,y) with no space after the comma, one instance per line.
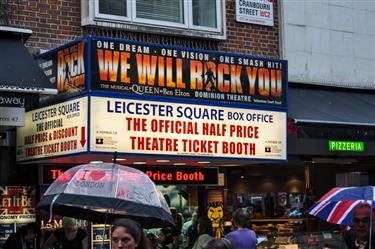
(85,243)
(82,235)
(50,242)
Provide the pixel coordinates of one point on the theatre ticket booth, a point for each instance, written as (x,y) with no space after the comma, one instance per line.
(180,115)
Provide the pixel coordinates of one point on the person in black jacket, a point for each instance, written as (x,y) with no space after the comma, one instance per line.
(363,225)
(70,236)
(23,238)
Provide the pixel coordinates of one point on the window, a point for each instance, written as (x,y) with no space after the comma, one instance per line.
(113,7)
(162,10)
(198,15)
(204,13)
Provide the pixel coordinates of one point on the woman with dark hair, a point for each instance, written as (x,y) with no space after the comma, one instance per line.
(243,236)
(128,234)
(165,238)
(218,243)
(22,238)
(204,227)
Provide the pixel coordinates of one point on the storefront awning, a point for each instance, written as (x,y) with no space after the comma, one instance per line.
(19,72)
(309,106)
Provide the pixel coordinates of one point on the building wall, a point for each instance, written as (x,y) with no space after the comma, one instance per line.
(248,38)
(330,43)
(55,22)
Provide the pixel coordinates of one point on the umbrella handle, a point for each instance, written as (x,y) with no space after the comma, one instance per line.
(51,207)
(105,224)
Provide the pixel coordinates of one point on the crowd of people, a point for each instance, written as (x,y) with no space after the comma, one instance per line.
(195,233)
(361,236)
(192,233)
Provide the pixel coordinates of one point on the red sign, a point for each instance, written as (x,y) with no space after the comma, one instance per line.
(17,204)
(159,175)
(185,176)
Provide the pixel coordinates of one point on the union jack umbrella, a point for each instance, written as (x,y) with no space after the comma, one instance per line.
(337,205)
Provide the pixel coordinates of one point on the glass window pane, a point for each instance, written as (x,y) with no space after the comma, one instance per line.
(162,10)
(112,7)
(204,13)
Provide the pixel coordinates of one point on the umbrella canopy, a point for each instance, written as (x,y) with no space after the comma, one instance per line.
(101,192)
(337,205)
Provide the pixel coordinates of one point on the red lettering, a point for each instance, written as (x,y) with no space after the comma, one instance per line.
(159,176)
(195,176)
(244,131)
(214,129)
(136,124)
(154,143)
(238,148)
(199,146)
(264,13)
(56,173)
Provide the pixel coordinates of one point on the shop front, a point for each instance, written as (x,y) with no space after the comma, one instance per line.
(336,139)
(330,144)
(21,82)
(182,116)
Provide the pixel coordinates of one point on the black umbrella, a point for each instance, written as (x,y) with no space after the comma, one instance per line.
(102,192)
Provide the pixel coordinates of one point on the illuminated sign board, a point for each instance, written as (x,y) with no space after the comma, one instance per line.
(17,204)
(151,127)
(66,67)
(51,173)
(55,130)
(252,125)
(185,176)
(140,68)
(353,146)
(159,175)
(162,71)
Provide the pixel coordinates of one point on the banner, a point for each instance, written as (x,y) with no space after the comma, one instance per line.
(66,69)
(215,211)
(150,69)
(55,130)
(151,127)
(17,204)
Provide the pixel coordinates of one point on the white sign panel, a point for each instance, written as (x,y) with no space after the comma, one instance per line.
(54,130)
(255,11)
(12,116)
(150,127)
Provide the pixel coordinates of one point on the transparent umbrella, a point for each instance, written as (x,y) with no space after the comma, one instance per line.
(101,192)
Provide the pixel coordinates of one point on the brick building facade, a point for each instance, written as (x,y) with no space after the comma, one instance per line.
(55,22)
